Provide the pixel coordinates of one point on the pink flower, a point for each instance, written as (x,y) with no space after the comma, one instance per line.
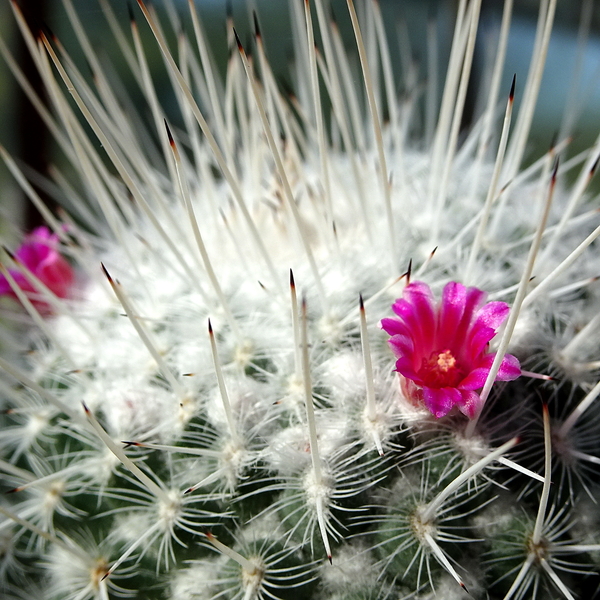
(442,350)
(38,253)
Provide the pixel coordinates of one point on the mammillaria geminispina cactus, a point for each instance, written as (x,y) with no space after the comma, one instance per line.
(312,345)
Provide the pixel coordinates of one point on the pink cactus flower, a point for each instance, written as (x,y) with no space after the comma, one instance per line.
(39,254)
(442,350)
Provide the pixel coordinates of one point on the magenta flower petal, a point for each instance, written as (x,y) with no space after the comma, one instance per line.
(441,401)
(442,350)
(477,343)
(508,371)
(402,345)
(470,404)
(5,289)
(453,307)
(416,309)
(492,315)
(405,368)
(475,380)
(394,327)
(473,300)
(510,368)
(39,254)
(57,274)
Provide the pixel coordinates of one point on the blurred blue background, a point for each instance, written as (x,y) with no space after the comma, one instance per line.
(25,138)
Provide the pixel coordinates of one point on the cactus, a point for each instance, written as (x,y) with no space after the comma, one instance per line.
(286,347)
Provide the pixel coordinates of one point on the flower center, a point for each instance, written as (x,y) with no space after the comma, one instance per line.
(440,370)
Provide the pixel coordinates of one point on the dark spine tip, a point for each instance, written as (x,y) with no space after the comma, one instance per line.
(361,303)
(169,134)
(47,32)
(106,273)
(555,169)
(209,535)
(131,15)
(256,25)
(511,94)
(210,329)
(409,271)
(188,491)
(85,408)
(105,575)
(292,282)
(238,41)
(594,166)
(10,254)
(287,90)
(14,490)
(329,559)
